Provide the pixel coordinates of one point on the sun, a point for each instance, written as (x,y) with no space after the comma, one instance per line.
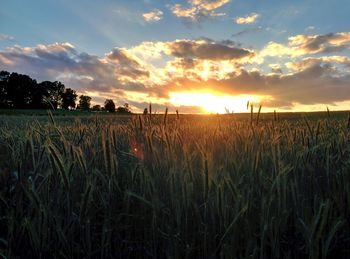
(214,103)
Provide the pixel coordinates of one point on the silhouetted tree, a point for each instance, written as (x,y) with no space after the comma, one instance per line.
(145,111)
(109,105)
(124,109)
(54,93)
(4,77)
(84,102)
(20,90)
(39,96)
(68,98)
(96,108)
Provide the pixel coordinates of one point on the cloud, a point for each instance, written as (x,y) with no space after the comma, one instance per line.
(331,42)
(199,70)
(312,62)
(309,44)
(310,28)
(83,71)
(274,49)
(147,51)
(248,31)
(202,58)
(153,16)
(136,76)
(204,49)
(209,5)
(314,85)
(127,67)
(5,37)
(276,68)
(251,18)
(199,9)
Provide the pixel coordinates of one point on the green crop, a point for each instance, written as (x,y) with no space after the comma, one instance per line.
(175,186)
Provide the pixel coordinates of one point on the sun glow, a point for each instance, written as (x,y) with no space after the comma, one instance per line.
(215,103)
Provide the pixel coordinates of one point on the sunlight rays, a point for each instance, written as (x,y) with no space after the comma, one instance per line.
(215,103)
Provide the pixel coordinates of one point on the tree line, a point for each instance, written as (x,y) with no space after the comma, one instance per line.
(19,91)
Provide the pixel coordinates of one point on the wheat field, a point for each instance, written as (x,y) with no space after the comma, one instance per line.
(175,186)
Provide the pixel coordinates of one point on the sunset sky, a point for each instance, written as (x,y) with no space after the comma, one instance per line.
(193,55)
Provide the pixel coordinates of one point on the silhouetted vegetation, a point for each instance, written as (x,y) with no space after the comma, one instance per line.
(68,99)
(84,102)
(96,108)
(109,105)
(153,186)
(124,109)
(19,91)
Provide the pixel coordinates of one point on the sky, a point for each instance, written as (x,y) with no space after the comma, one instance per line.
(197,56)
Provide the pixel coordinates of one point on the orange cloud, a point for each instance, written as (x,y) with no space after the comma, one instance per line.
(311,62)
(209,5)
(274,49)
(152,70)
(309,44)
(199,9)
(331,42)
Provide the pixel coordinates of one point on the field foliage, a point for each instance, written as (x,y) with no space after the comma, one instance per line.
(230,186)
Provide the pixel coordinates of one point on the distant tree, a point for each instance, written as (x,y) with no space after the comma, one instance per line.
(124,109)
(4,78)
(84,102)
(39,94)
(96,108)
(20,90)
(109,105)
(145,111)
(69,97)
(40,97)
(54,93)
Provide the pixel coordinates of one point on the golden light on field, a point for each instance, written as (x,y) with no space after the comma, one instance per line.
(215,103)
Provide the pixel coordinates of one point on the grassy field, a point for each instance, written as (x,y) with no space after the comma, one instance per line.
(230,186)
